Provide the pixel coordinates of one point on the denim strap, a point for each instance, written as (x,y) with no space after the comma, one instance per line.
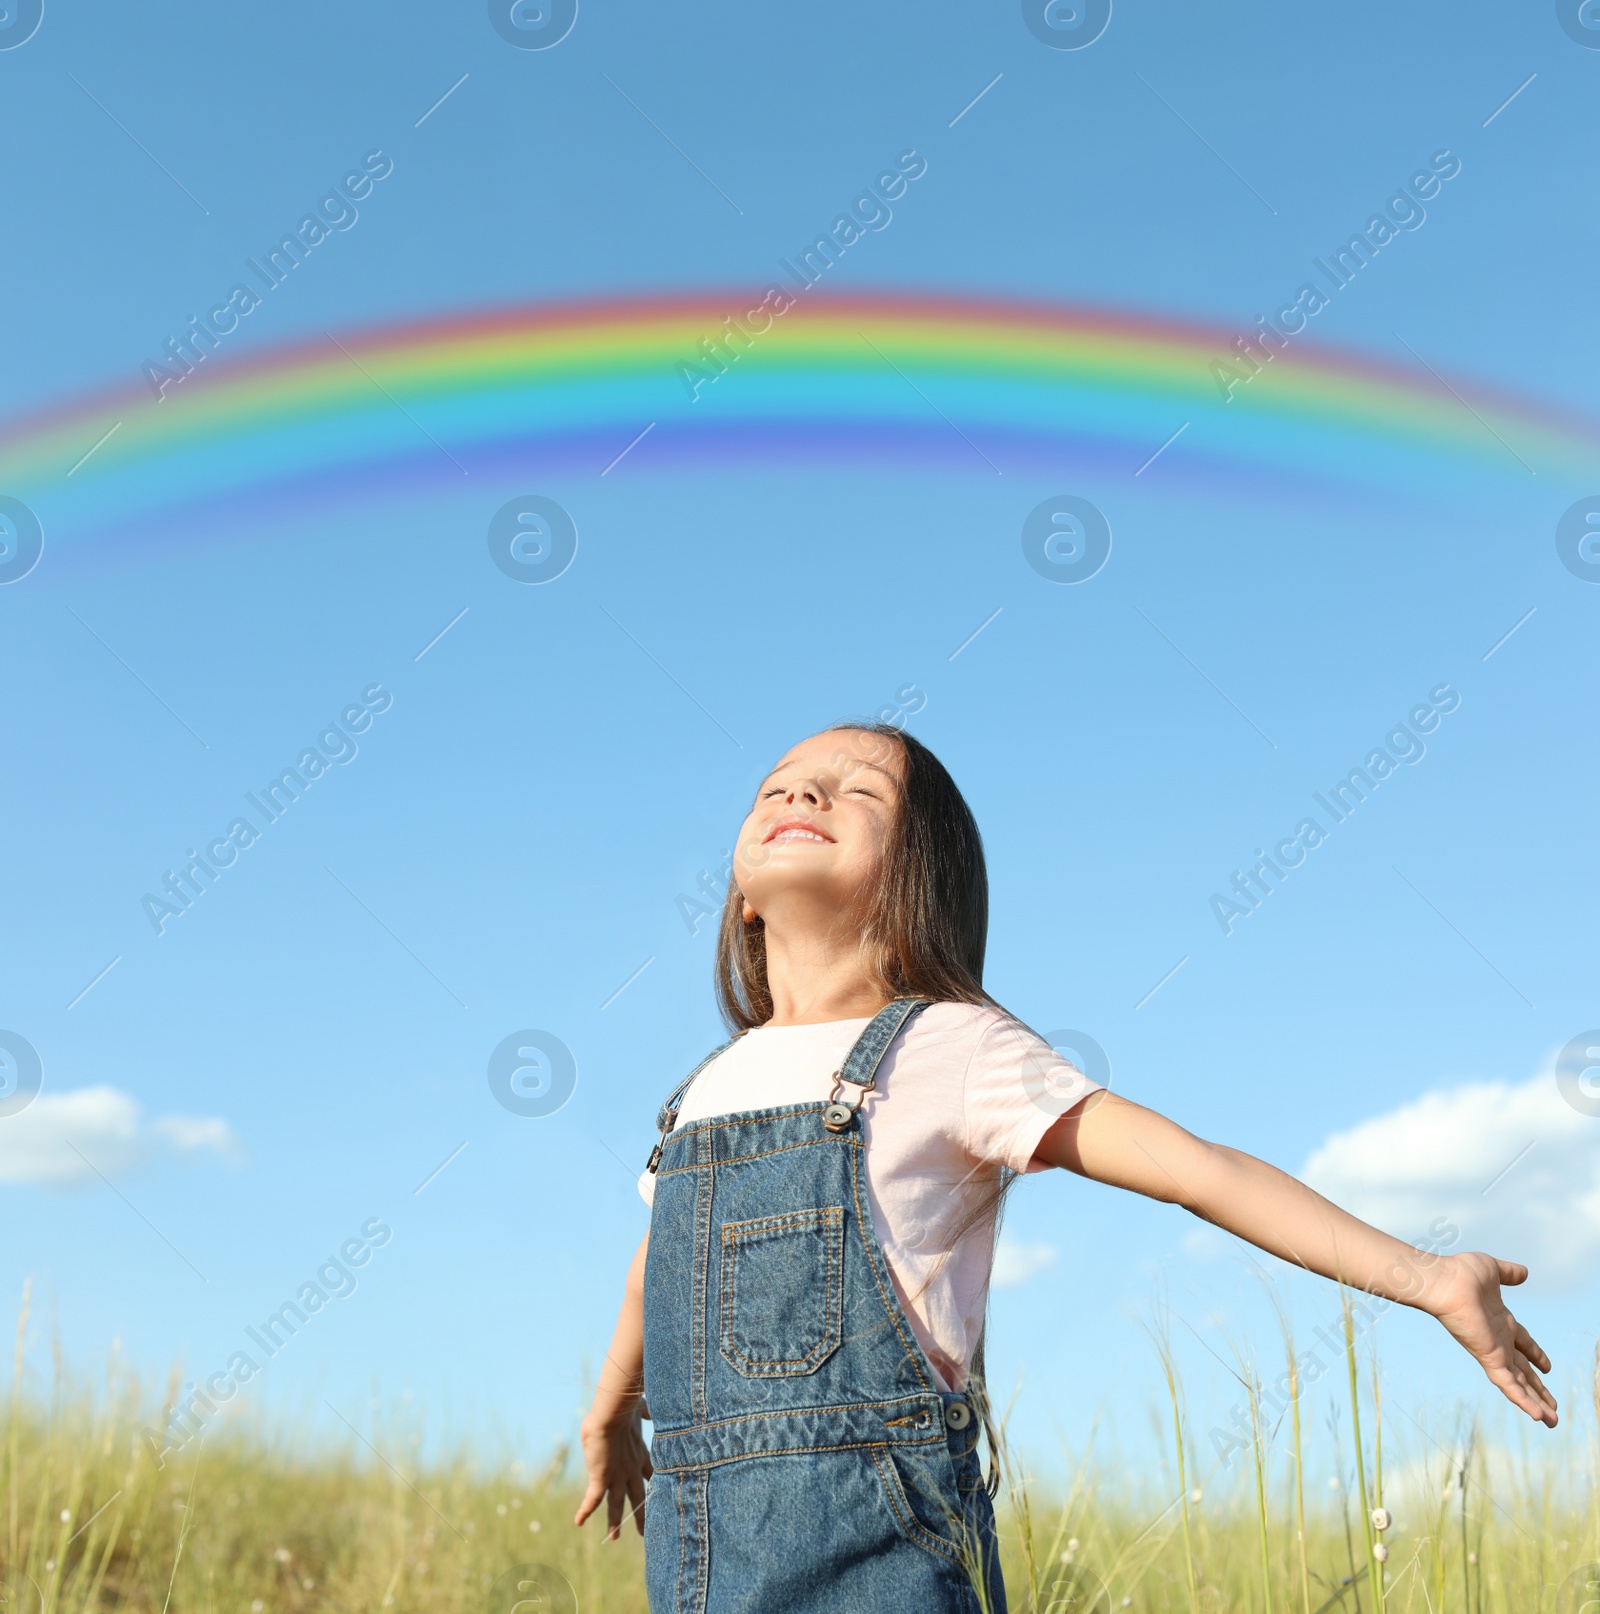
(860,1065)
(667,1115)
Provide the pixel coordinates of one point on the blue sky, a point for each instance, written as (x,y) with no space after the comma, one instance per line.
(507,846)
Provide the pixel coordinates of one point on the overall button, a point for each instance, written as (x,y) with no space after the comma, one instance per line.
(958,1415)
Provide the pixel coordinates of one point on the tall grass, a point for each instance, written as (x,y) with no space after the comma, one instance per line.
(245,1522)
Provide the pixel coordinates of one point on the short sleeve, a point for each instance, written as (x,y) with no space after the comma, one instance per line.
(1017,1087)
(647,1188)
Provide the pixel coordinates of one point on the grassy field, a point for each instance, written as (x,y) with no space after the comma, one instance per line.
(94,1518)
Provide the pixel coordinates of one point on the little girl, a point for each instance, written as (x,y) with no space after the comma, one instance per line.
(805,1316)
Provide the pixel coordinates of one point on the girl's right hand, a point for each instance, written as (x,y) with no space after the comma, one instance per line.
(618,1461)
(1466,1298)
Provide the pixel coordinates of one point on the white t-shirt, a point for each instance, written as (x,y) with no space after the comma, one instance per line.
(962,1092)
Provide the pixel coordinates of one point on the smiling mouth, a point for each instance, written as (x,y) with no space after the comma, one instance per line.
(795,829)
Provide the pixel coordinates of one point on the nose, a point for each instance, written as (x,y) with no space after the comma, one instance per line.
(807,790)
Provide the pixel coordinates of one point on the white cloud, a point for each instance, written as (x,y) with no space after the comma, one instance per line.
(1514,1166)
(1015,1263)
(190,1132)
(63,1139)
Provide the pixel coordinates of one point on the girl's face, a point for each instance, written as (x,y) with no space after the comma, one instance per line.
(820,826)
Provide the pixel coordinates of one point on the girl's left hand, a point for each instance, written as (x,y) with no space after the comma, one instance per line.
(1465,1297)
(618,1461)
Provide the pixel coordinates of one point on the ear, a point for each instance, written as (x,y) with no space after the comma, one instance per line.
(746,912)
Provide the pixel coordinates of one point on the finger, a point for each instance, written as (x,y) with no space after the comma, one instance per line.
(1510,1385)
(1512,1272)
(1544,1402)
(614,1501)
(1530,1347)
(1540,1388)
(1517,1385)
(591,1500)
(1544,1406)
(636,1500)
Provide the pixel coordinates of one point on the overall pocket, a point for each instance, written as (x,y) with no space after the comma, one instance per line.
(782,1291)
(929,1521)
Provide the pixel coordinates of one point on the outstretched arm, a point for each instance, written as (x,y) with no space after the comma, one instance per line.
(1114,1141)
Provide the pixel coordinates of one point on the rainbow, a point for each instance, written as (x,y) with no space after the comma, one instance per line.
(630,388)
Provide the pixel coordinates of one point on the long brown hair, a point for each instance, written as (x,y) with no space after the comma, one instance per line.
(926,929)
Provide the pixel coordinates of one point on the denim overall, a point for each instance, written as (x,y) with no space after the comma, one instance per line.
(805,1459)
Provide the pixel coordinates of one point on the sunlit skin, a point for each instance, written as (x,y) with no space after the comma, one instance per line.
(806,860)
(844,786)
